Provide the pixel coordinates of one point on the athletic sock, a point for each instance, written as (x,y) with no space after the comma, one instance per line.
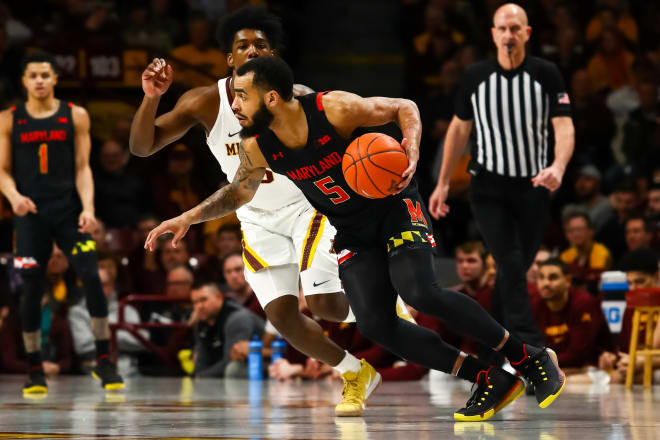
(470,368)
(34,360)
(518,352)
(102,348)
(349,363)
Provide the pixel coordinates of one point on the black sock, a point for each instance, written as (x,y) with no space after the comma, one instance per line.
(518,352)
(102,348)
(34,360)
(470,368)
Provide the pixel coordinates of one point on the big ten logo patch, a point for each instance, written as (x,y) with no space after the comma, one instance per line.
(613,311)
(232,149)
(416,216)
(84,246)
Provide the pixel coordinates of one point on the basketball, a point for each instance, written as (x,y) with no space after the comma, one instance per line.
(373,164)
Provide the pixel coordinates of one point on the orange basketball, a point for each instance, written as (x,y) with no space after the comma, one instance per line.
(373,164)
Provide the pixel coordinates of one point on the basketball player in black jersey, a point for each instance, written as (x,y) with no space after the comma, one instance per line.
(384,245)
(45,175)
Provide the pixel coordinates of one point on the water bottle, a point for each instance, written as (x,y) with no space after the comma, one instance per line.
(277,349)
(254,359)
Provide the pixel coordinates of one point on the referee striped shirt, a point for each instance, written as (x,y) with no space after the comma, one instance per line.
(512,112)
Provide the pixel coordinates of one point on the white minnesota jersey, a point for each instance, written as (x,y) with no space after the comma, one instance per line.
(275,190)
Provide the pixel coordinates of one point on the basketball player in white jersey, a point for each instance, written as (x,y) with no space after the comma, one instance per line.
(284,238)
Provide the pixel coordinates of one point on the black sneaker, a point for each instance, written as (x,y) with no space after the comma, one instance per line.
(496,389)
(106,371)
(36,383)
(542,371)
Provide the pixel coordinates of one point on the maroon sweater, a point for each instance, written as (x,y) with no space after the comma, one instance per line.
(578,333)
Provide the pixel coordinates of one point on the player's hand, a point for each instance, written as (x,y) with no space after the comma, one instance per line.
(22,205)
(178,226)
(412,151)
(437,203)
(157,78)
(549,177)
(86,222)
(607,361)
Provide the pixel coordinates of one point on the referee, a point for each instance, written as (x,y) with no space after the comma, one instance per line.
(511,101)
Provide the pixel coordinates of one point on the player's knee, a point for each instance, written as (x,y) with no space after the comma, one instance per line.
(88,271)
(331,306)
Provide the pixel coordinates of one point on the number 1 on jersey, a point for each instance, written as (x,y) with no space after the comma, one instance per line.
(336,193)
(43,158)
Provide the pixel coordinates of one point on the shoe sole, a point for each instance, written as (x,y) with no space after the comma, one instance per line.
(36,389)
(510,397)
(372,387)
(109,386)
(551,398)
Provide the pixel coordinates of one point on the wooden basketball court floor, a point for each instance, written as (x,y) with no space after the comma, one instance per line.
(175,408)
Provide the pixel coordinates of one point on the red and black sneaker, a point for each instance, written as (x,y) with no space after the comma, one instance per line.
(496,389)
(542,371)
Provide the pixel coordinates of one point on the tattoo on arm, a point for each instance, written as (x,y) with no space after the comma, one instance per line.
(231,197)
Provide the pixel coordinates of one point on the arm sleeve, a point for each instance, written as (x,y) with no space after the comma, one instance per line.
(463,104)
(558,95)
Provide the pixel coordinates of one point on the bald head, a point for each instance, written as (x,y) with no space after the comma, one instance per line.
(510,33)
(510,11)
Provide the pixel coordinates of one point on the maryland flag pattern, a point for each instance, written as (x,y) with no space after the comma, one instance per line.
(409,237)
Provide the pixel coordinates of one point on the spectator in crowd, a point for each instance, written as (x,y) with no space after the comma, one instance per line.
(80,322)
(56,340)
(227,240)
(641,132)
(221,325)
(611,66)
(589,198)
(641,267)
(639,233)
(542,255)
(570,319)
(146,275)
(653,205)
(171,257)
(568,55)
(624,201)
(141,31)
(120,196)
(239,290)
(198,63)
(585,258)
(100,237)
(62,283)
(471,269)
(178,189)
(612,14)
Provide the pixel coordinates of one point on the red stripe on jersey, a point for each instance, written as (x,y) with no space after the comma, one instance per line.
(70,104)
(319,102)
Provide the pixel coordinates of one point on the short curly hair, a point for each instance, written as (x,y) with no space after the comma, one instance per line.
(250,17)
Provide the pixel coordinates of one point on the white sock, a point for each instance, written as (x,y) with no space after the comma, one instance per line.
(350,317)
(349,363)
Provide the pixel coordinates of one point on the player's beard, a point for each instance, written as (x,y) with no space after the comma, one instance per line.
(260,122)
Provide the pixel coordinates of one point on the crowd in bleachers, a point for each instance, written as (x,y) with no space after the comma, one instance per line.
(606,215)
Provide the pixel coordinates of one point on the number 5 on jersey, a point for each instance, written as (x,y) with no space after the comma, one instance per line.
(336,193)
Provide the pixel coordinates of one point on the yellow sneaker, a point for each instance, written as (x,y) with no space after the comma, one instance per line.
(402,311)
(357,389)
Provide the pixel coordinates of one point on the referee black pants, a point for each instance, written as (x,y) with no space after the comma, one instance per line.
(512,216)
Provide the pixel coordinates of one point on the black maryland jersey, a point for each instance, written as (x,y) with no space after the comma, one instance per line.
(316,168)
(43,153)
(512,112)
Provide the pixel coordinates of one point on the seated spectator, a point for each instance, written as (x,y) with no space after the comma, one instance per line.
(120,197)
(80,322)
(542,255)
(146,275)
(613,15)
(611,66)
(198,63)
(585,258)
(239,290)
(590,200)
(57,344)
(100,237)
(570,319)
(221,325)
(63,285)
(639,233)
(624,201)
(641,132)
(227,240)
(641,267)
